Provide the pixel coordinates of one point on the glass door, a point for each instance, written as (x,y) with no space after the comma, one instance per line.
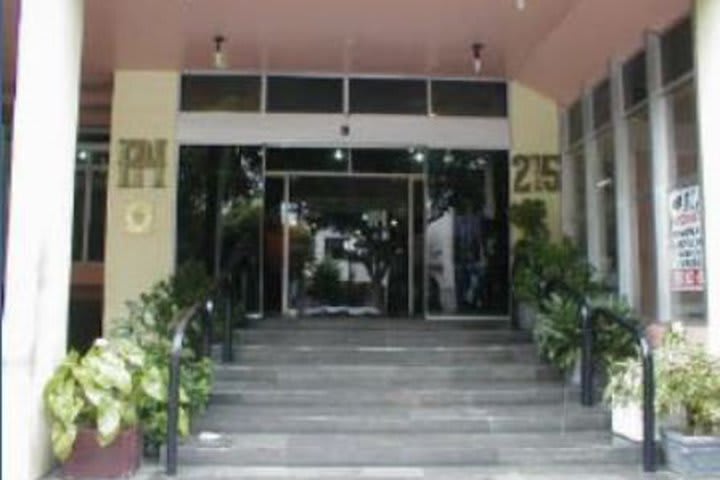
(347,246)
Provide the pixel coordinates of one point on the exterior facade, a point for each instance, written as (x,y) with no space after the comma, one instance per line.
(146,170)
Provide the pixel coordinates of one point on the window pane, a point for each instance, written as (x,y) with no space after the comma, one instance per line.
(640,156)
(576,122)
(606,185)
(228,93)
(635,80)
(96,239)
(688,298)
(677,51)
(601,104)
(388,96)
(307,159)
(577,163)
(387,161)
(78,215)
(467,236)
(300,94)
(482,99)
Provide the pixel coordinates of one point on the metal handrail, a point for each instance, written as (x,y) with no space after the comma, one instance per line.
(206,306)
(588,318)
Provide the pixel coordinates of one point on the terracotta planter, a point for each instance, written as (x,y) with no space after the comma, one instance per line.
(119,459)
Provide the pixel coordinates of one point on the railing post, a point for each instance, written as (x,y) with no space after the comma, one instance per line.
(586,379)
(649,448)
(173,415)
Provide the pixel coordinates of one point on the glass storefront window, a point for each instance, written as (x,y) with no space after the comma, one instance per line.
(635,80)
(391,96)
(645,261)
(577,165)
(220,93)
(89,209)
(469,98)
(304,94)
(575,121)
(467,233)
(601,105)
(606,186)
(677,51)
(687,262)
(383,160)
(307,159)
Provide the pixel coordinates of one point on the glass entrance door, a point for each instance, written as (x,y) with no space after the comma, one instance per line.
(347,245)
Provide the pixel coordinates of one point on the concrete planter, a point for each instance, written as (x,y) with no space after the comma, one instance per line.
(627,422)
(691,455)
(527,316)
(119,459)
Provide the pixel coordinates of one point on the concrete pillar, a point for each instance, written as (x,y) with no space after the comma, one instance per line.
(707,46)
(39,236)
(142,186)
(662,148)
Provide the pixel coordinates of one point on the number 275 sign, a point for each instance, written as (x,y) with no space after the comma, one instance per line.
(536,173)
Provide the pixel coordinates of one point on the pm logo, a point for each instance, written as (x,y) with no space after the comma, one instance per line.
(142,161)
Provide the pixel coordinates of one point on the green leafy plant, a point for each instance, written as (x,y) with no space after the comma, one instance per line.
(325,281)
(149,325)
(101,390)
(558,332)
(687,382)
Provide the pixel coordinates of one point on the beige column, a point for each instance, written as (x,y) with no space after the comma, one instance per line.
(140,235)
(707,57)
(39,235)
(535,168)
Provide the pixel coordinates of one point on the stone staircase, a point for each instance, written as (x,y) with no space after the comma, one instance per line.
(397,399)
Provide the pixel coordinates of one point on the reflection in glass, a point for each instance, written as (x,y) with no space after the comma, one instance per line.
(467,236)
(606,187)
(348,246)
(307,159)
(469,98)
(220,206)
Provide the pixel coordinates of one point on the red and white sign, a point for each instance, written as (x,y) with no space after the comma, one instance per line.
(686,240)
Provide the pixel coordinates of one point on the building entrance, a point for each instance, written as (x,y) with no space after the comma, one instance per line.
(352,232)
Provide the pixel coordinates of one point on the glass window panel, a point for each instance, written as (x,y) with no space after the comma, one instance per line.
(677,51)
(635,80)
(688,299)
(575,120)
(96,235)
(641,159)
(601,104)
(305,94)
(307,159)
(606,185)
(467,236)
(577,162)
(226,93)
(388,96)
(78,216)
(468,98)
(388,161)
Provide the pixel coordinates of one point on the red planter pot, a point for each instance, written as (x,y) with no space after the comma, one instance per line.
(119,459)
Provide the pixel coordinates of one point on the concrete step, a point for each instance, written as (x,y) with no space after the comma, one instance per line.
(375,375)
(384,355)
(378,338)
(363,419)
(409,450)
(489,393)
(526,472)
(373,323)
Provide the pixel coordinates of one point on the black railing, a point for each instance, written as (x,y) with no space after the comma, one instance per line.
(589,317)
(221,299)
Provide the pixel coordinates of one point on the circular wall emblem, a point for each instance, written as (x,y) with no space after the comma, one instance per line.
(138,217)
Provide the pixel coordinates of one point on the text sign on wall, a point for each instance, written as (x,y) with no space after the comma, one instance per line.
(536,173)
(686,240)
(138,156)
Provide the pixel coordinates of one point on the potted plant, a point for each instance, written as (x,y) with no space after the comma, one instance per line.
(92,403)
(687,388)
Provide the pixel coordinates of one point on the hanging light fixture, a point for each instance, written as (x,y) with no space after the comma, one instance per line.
(219,58)
(477,49)
(520,4)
